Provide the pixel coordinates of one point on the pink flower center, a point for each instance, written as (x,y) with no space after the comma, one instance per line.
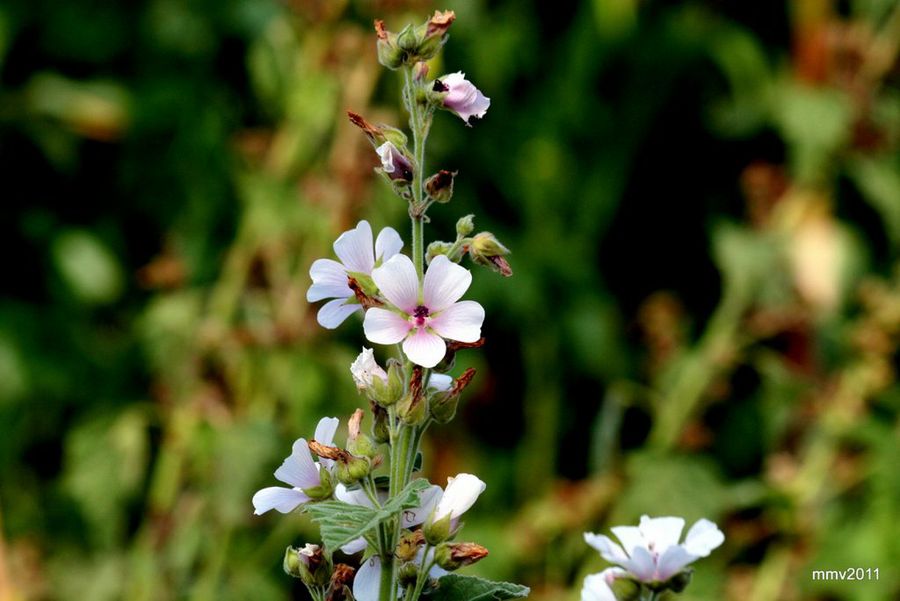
(420,316)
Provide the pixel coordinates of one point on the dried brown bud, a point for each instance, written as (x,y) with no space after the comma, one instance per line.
(452,556)
(380,31)
(327,452)
(341,579)
(364,299)
(440,22)
(354,424)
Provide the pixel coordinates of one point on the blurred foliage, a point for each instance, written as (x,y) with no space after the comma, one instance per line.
(703,200)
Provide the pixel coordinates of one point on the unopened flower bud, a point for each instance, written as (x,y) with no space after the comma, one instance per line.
(433,34)
(378,134)
(409,545)
(443,404)
(420,71)
(437,248)
(389,52)
(380,429)
(408,574)
(452,556)
(438,531)
(358,443)
(486,250)
(366,371)
(440,186)
(394,164)
(407,40)
(309,564)
(465,226)
(353,470)
(412,408)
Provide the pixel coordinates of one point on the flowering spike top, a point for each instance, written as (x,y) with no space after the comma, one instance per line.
(651,553)
(330,278)
(422,322)
(460,96)
(300,471)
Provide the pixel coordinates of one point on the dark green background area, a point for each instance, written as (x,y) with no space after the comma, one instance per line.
(703,203)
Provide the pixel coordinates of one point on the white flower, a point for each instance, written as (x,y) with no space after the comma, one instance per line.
(299,470)
(368,577)
(394,163)
(410,518)
(597,586)
(422,323)
(354,249)
(365,368)
(459,496)
(651,552)
(440,382)
(463,98)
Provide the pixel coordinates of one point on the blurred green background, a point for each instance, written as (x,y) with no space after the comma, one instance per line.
(703,202)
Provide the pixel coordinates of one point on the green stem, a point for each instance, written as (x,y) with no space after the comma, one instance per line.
(386,586)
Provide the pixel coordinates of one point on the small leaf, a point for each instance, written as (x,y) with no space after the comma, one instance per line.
(342,523)
(453,587)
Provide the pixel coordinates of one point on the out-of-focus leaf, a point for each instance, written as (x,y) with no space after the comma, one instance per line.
(88,267)
(454,587)
(879,181)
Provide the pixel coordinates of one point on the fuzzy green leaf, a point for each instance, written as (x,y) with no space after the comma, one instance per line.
(342,523)
(453,587)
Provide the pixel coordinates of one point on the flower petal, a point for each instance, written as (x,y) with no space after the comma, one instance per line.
(397,281)
(387,244)
(299,469)
(630,537)
(661,533)
(385,327)
(440,382)
(672,561)
(596,589)
(333,313)
(423,348)
(460,321)
(355,546)
(367,580)
(329,281)
(461,493)
(609,550)
(641,565)
(326,429)
(354,248)
(428,499)
(353,497)
(281,499)
(445,283)
(702,538)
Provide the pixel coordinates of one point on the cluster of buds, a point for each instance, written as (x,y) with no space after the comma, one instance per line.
(413,44)
(314,568)
(482,248)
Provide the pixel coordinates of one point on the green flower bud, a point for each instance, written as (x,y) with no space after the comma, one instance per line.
(486,250)
(389,53)
(359,444)
(353,469)
(432,35)
(407,40)
(437,532)
(443,404)
(412,410)
(381,431)
(407,574)
(452,556)
(440,186)
(465,226)
(437,248)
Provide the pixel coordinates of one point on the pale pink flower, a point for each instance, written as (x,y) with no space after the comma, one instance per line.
(354,249)
(394,163)
(299,470)
(651,553)
(422,323)
(463,98)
